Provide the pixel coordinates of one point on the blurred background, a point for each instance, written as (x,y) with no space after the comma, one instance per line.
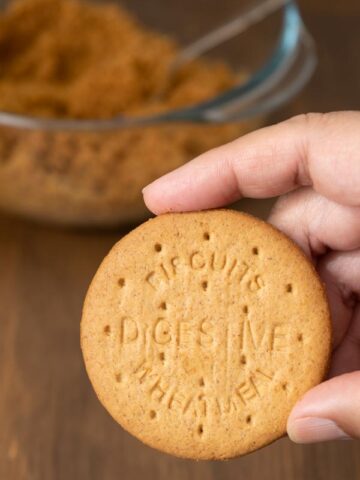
(52,425)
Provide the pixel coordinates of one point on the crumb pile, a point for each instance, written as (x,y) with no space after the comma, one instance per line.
(77,59)
(67,58)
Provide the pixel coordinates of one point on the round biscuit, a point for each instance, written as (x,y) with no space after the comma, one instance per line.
(200,331)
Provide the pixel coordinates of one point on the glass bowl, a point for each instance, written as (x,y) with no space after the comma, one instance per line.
(90,172)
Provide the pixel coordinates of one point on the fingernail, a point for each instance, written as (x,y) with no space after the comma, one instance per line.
(312,429)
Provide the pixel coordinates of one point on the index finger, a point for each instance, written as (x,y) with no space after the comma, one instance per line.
(321,150)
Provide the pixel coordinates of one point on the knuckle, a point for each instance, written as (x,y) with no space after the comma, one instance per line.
(311,119)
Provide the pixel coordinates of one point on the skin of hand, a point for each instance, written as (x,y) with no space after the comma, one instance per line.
(313,162)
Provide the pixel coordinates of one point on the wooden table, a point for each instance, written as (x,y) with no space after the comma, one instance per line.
(52,427)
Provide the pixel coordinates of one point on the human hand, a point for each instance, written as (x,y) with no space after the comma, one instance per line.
(313,161)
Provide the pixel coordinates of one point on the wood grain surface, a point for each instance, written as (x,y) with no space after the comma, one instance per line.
(52,427)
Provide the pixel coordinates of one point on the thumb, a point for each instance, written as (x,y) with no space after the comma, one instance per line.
(329,411)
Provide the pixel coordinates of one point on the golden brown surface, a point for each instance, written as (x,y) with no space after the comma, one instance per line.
(200,331)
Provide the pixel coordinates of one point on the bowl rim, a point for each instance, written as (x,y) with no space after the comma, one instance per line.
(291,35)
